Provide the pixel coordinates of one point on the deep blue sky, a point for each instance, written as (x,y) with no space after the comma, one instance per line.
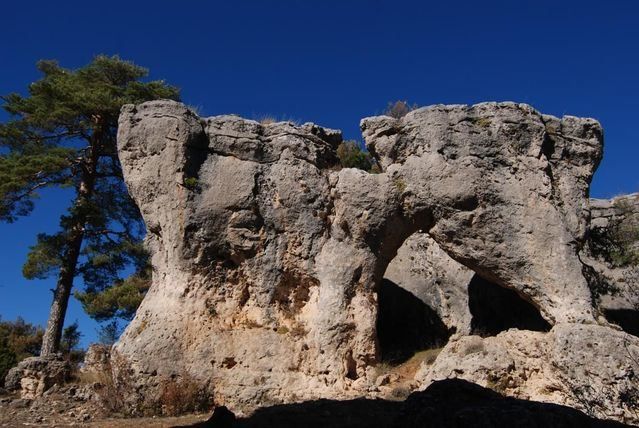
(334,62)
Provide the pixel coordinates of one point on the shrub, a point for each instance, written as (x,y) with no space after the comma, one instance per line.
(112,393)
(618,246)
(399,109)
(351,155)
(191,183)
(8,360)
(617,243)
(182,394)
(119,394)
(267,120)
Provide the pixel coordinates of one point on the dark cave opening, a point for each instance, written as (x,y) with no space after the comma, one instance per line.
(405,324)
(627,319)
(495,309)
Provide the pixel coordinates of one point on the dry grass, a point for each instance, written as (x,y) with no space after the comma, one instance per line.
(117,392)
(182,394)
(408,369)
(474,348)
(267,120)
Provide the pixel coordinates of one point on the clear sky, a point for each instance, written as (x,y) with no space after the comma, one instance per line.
(334,62)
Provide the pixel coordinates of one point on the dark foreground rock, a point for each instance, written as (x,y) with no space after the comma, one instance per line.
(450,403)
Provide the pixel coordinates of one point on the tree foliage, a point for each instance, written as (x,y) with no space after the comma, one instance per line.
(351,155)
(63,134)
(109,333)
(121,300)
(18,340)
(70,338)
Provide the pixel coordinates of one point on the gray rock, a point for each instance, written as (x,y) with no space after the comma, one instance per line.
(33,376)
(617,287)
(591,368)
(266,256)
(424,269)
(96,358)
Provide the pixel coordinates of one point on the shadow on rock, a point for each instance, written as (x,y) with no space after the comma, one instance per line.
(450,403)
(627,319)
(405,324)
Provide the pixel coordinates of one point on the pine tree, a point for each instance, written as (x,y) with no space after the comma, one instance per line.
(64,134)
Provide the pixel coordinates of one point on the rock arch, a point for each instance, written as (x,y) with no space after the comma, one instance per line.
(266,270)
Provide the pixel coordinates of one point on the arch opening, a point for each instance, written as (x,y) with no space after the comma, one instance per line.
(405,324)
(407,319)
(495,309)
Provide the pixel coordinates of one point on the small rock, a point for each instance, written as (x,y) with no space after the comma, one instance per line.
(383,380)
(360,383)
(20,403)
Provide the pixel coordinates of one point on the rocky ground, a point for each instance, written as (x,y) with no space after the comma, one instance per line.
(452,403)
(69,407)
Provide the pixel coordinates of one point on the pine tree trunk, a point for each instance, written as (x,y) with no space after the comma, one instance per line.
(62,292)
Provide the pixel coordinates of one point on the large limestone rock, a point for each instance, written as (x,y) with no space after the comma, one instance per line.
(431,275)
(588,367)
(267,257)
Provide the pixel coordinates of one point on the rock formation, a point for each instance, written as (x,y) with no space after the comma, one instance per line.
(617,285)
(425,270)
(268,257)
(34,375)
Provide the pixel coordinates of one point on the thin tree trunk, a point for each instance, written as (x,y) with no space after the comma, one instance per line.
(62,292)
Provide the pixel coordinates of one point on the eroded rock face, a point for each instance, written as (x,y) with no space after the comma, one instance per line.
(589,367)
(422,268)
(267,257)
(617,284)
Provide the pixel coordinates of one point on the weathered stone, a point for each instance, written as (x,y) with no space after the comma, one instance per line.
(97,359)
(267,259)
(500,188)
(588,367)
(35,375)
(424,269)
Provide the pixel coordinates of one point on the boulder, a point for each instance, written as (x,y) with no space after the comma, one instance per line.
(588,367)
(33,376)
(97,359)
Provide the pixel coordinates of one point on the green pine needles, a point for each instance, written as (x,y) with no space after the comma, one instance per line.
(63,134)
